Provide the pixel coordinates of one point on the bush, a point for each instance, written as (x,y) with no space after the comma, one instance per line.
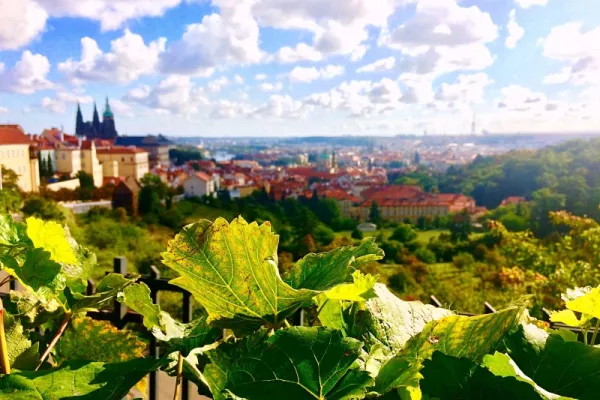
(425,255)
(404,234)
(392,250)
(356,234)
(324,235)
(42,208)
(463,260)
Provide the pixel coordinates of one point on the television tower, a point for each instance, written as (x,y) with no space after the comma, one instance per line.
(473,126)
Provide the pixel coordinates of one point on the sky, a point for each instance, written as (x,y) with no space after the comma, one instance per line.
(281,68)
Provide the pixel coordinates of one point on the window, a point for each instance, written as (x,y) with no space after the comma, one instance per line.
(64,156)
(123,159)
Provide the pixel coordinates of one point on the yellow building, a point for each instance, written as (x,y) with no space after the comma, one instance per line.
(132,161)
(15,155)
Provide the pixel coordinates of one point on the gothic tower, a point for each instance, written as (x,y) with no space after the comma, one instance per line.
(96,128)
(109,130)
(79,125)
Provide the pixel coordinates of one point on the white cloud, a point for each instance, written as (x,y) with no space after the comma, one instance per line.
(225,109)
(28,76)
(383,64)
(20,22)
(111,14)
(129,59)
(3,110)
(515,31)
(174,94)
(260,77)
(305,75)
(530,3)
(467,89)
(280,106)
(442,23)
(579,49)
(442,60)
(301,52)
(216,85)
(238,79)
(270,87)
(62,100)
(121,109)
(521,99)
(227,38)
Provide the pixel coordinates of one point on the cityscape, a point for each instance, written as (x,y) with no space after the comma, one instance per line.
(307,200)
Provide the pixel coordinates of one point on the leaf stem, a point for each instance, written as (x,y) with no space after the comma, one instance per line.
(585,338)
(57,335)
(4,361)
(595,331)
(6,280)
(179,377)
(287,324)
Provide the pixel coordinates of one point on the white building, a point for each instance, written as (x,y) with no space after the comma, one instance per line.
(199,184)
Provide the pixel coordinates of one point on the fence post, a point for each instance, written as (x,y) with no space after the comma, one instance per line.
(434,301)
(119,309)
(187,317)
(488,308)
(153,348)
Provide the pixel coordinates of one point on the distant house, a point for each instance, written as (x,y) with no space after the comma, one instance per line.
(367,227)
(199,184)
(125,195)
(156,146)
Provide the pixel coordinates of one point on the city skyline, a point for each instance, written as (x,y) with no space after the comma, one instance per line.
(225,68)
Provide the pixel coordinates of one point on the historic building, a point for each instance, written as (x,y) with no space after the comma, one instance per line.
(15,154)
(96,129)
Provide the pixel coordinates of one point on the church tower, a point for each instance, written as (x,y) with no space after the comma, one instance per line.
(96,128)
(109,130)
(79,125)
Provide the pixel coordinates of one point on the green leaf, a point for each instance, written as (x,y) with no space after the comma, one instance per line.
(333,313)
(30,310)
(51,237)
(566,368)
(87,339)
(231,270)
(106,291)
(398,373)
(84,380)
(499,364)
(17,341)
(40,274)
(325,270)
(392,322)
(447,377)
(302,363)
(77,274)
(179,336)
(12,233)
(458,336)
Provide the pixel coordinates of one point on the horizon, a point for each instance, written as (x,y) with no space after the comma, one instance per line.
(264,68)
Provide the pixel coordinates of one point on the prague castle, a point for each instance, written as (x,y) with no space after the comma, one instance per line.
(96,129)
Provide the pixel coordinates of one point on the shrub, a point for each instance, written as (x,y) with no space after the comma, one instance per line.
(425,255)
(42,208)
(324,235)
(404,234)
(463,260)
(356,234)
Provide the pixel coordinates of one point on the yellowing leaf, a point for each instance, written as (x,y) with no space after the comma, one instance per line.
(360,290)
(51,237)
(567,317)
(231,269)
(587,304)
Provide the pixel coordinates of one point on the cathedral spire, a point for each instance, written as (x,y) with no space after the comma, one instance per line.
(79,128)
(107,112)
(96,120)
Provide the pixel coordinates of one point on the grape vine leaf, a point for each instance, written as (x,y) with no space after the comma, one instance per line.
(52,237)
(323,271)
(179,336)
(17,341)
(12,233)
(84,380)
(106,291)
(390,321)
(448,378)
(302,363)
(40,274)
(566,368)
(231,269)
(360,290)
(458,336)
(588,304)
(31,311)
(88,339)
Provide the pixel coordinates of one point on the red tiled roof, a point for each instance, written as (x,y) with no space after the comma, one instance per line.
(120,150)
(202,176)
(13,134)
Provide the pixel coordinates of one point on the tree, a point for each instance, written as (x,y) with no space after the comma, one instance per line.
(375,214)
(425,255)
(10,179)
(417,158)
(150,197)
(545,200)
(403,233)
(324,235)
(86,181)
(42,166)
(461,227)
(10,201)
(356,234)
(49,167)
(42,208)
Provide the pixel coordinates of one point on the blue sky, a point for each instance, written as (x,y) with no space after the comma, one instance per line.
(289,67)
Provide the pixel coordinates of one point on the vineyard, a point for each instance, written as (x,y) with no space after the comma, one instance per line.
(358,341)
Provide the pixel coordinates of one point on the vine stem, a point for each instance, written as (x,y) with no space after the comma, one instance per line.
(4,361)
(595,331)
(179,377)
(57,335)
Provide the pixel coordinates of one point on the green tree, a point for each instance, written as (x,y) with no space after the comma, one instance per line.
(461,227)
(375,214)
(10,179)
(49,167)
(86,181)
(324,235)
(404,233)
(425,255)
(42,208)
(42,167)
(356,234)
(151,196)
(545,201)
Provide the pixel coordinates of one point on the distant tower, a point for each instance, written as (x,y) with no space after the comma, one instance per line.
(96,128)
(108,123)
(333,159)
(473,127)
(79,126)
